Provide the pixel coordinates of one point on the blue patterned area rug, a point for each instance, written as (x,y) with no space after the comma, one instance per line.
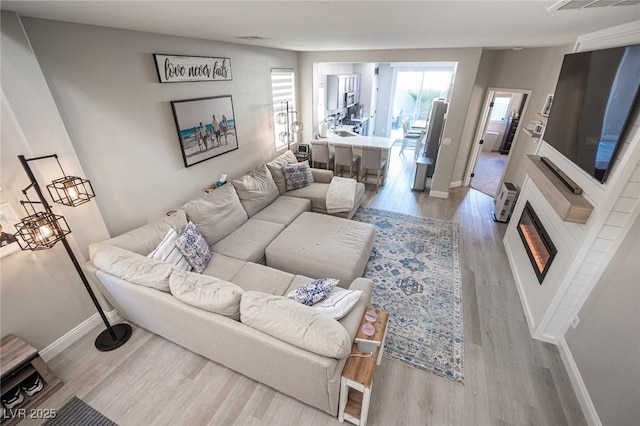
(415,267)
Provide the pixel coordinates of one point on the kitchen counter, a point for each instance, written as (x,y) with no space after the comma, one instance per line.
(359,141)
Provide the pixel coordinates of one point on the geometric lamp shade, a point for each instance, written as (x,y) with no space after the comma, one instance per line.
(71,191)
(41,230)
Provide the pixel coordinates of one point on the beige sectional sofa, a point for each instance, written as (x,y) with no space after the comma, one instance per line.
(234,313)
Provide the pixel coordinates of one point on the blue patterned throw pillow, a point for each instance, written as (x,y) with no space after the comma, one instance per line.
(194,248)
(297,175)
(314,292)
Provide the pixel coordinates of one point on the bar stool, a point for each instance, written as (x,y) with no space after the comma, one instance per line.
(344,158)
(320,153)
(372,160)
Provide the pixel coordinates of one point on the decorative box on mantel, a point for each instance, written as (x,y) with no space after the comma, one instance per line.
(569,206)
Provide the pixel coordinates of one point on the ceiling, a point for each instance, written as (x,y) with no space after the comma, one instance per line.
(344,25)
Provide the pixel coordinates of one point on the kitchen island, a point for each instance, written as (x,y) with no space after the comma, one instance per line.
(345,137)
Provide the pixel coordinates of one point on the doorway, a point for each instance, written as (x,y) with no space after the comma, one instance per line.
(414,87)
(497,132)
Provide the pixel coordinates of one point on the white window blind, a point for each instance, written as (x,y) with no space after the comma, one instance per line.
(283,88)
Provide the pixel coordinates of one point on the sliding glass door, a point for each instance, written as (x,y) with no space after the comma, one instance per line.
(416,88)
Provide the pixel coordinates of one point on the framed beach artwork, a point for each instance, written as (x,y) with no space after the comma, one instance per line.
(8,218)
(206,128)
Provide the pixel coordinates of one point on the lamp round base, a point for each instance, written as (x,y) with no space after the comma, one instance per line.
(104,341)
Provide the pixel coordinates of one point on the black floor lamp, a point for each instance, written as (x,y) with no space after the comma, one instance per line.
(43,229)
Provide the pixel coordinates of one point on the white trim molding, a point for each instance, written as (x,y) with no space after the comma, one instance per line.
(76,333)
(589,410)
(439,194)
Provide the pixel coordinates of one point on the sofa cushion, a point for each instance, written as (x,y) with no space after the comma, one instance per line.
(295,323)
(223,267)
(208,293)
(297,175)
(255,277)
(132,267)
(275,167)
(256,190)
(284,210)
(217,214)
(145,239)
(313,292)
(322,176)
(168,252)
(249,241)
(316,193)
(194,248)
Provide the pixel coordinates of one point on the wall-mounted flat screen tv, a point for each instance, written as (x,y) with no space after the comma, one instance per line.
(594,98)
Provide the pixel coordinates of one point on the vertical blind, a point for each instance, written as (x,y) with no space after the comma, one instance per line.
(283,88)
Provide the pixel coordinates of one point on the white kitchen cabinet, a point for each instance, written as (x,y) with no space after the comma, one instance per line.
(337,88)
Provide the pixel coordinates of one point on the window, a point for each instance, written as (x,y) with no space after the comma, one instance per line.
(417,86)
(500,108)
(283,89)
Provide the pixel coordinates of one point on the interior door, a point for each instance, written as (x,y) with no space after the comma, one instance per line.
(478,141)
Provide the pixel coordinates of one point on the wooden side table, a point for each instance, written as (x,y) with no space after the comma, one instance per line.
(20,360)
(357,376)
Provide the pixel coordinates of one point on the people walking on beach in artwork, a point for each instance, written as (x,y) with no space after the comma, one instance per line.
(204,135)
(225,127)
(196,135)
(215,130)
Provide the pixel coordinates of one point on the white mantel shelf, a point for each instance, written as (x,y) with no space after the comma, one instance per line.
(569,206)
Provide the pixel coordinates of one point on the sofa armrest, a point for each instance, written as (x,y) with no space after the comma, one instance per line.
(322,176)
(351,322)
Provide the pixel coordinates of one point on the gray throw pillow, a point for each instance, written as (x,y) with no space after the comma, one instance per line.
(275,167)
(218,214)
(256,190)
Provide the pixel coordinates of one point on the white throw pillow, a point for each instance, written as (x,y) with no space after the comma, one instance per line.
(168,252)
(206,292)
(339,303)
(295,323)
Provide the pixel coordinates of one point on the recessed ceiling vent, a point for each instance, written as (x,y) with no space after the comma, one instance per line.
(262,38)
(588,4)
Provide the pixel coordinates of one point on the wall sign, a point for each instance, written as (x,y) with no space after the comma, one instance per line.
(176,68)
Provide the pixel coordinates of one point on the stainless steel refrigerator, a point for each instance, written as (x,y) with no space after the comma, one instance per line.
(426,161)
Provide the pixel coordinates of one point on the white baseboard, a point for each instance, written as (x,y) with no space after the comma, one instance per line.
(455,184)
(439,194)
(76,333)
(579,387)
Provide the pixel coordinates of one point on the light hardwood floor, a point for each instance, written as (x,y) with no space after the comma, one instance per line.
(509,377)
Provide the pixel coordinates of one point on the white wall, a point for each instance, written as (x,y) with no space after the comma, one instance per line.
(105,84)
(606,343)
(42,297)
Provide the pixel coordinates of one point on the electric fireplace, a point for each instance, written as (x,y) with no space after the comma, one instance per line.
(537,243)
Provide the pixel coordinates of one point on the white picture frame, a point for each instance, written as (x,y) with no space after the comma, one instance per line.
(8,218)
